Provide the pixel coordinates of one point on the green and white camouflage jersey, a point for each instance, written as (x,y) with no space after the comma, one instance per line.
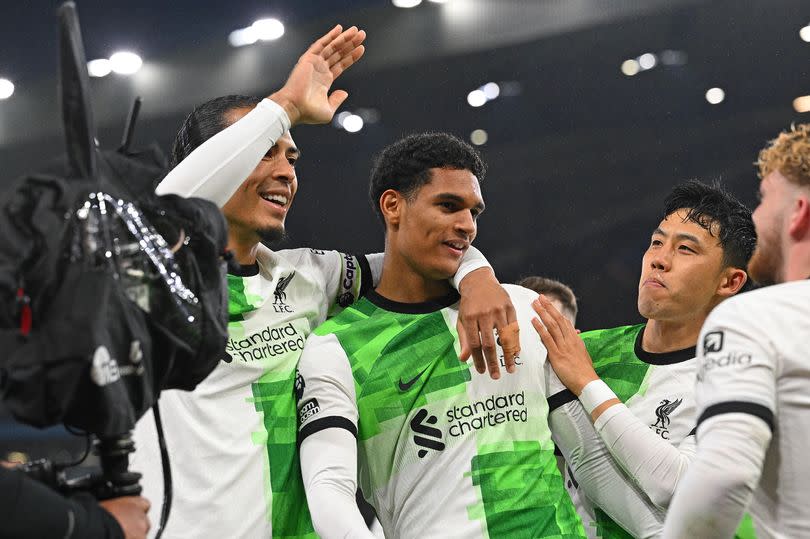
(658,388)
(443,452)
(241,419)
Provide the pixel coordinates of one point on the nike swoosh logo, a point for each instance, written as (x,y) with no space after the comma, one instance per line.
(405,386)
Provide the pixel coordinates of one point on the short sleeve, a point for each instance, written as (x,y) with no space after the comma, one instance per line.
(324,388)
(737,366)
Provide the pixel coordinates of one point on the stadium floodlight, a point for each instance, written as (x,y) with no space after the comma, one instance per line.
(804,33)
(125,63)
(406,3)
(268,29)
(715,96)
(491,90)
(476,98)
(647,61)
(6,88)
(353,123)
(630,67)
(479,137)
(99,68)
(243,36)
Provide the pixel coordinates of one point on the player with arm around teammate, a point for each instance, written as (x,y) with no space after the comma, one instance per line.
(753,385)
(233,439)
(441,451)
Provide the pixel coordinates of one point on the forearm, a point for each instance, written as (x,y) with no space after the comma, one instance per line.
(599,476)
(216,168)
(712,497)
(30,509)
(653,463)
(472,260)
(329,471)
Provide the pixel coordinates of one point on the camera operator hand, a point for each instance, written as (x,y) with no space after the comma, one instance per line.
(130,512)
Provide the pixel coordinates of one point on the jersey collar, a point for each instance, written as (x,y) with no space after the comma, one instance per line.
(412,308)
(665,358)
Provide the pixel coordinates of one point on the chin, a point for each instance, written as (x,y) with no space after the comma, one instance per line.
(272,234)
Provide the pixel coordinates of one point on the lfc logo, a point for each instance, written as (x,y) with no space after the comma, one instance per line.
(280,296)
(661,425)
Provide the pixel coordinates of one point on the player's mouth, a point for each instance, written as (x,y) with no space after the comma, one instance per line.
(457,247)
(278,202)
(652,282)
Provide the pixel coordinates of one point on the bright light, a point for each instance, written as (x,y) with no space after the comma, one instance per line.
(439,1)
(804,33)
(353,123)
(99,68)
(340,118)
(6,88)
(715,96)
(802,104)
(406,3)
(647,61)
(268,29)
(491,90)
(630,67)
(479,137)
(243,36)
(476,98)
(125,63)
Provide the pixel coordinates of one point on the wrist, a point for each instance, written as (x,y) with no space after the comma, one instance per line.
(287,104)
(594,394)
(578,386)
(476,276)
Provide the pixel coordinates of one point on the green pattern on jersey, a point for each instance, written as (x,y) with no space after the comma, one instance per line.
(614,360)
(273,397)
(521,490)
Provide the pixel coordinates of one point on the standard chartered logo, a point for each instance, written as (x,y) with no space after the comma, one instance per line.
(267,343)
(467,418)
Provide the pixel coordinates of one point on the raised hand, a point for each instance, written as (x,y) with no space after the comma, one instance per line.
(305,96)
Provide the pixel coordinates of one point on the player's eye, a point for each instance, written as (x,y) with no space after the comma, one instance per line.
(656,243)
(449,206)
(687,249)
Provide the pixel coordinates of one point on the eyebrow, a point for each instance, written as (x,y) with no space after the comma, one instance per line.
(455,198)
(680,235)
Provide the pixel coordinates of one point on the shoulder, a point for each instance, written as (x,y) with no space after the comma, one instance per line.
(608,336)
(760,305)
(354,319)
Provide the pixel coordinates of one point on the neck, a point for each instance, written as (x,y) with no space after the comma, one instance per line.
(662,336)
(797,264)
(405,284)
(243,246)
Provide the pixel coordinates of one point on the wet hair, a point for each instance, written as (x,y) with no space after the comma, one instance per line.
(553,288)
(205,121)
(789,153)
(405,165)
(721,214)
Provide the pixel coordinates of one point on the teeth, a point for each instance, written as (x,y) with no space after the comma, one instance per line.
(278,199)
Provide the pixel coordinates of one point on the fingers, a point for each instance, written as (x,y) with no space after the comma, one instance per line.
(320,44)
(332,51)
(509,337)
(473,340)
(545,336)
(488,346)
(550,323)
(464,346)
(347,61)
(337,98)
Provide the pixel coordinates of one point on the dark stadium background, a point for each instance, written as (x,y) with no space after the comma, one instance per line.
(579,158)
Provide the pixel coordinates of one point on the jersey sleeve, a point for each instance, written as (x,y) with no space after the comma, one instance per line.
(737,366)
(601,479)
(325,388)
(219,166)
(736,400)
(342,277)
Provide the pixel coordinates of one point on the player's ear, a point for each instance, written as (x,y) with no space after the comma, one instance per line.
(799,222)
(731,282)
(391,205)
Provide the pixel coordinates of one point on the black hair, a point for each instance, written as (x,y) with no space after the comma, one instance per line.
(205,121)
(405,165)
(721,214)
